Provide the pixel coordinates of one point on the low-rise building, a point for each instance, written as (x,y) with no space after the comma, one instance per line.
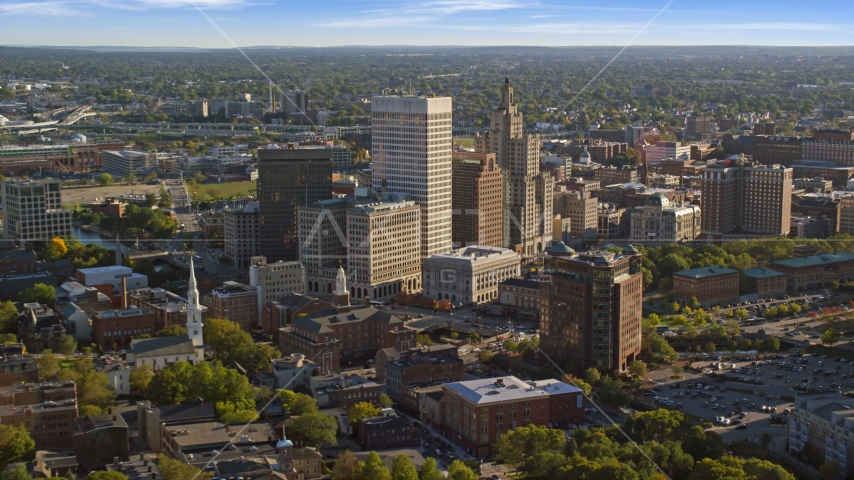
(815,271)
(47,410)
(709,285)
(612,175)
(151,419)
(236,302)
(169,309)
(115,329)
(421,368)
(613,221)
(16,369)
(660,222)
(193,442)
(120,163)
(478,412)
(815,184)
(14,262)
(765,283)
(809,227)
(39,327)
(520,294)
(112,276)
(293,371)
(281,313)
(100,439)
(343,390)
(386,431)
(470,275)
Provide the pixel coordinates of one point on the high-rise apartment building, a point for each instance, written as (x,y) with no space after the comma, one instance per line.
(288,178)
(528,213)
(742,198)
(846,214)
(477,200)
(590,307)
(412,148)
(583,212)
(32,211)
(241,229)
(376,241)
(697,126)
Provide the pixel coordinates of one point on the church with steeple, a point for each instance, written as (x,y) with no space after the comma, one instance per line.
(160,352)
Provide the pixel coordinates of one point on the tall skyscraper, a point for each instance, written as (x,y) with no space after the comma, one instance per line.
(527,192)
(743,198)
(288,178)
(412,147)
(477,205)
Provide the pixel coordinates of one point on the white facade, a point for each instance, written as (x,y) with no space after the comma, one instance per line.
(32,211)
(659,222)
(112,275)
(275,280)
(412,148)
(662,149)
(469,275)
(128,162)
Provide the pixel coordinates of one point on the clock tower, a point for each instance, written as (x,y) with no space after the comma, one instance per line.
(194,310)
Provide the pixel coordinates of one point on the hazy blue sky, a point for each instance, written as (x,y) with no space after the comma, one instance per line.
(424,22)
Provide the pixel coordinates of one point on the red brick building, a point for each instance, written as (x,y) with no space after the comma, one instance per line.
(421,368)
(14,262)
(815,271)
(590,307)
(111,208)
(48,411)
(114,329)
(478,412)
(236,302)
(709,285)
(386,432)
(18,369)
(765,283)
(520,293)
(349,333)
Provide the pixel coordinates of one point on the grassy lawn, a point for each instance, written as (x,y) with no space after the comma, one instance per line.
(467,142)
(68,363)
(209,191)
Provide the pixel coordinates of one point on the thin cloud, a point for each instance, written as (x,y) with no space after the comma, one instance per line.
(37,9)
(425,11)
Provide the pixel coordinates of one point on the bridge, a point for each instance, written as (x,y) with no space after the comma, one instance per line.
(76,115)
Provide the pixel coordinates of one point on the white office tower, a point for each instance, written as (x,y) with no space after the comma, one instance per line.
(412,146)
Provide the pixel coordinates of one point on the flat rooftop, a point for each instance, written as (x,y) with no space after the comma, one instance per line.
(504,389)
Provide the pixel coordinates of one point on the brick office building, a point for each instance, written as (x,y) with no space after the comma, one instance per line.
(385,432)
(14,262)
(612,175)
(520,294)
(114,329)
(771,150)
(17,369)
(709,285)
(765,283)
(815,271)
(421,368)
(331,336)
(839,175)
(477,189)
(590,307)
(478,412)
(234,301)
(47,410)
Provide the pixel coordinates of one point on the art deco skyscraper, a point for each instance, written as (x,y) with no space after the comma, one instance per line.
(412,146)
(527,192)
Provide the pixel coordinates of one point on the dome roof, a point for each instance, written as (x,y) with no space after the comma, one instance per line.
(601,259)
(630,250)
(585,153)
(560,248)
(657,200)
(78,138)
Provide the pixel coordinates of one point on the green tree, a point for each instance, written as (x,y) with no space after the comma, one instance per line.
(424,339)
(702,444)
(141,377)
(402,468)
(830,336)
(66,345)
(49,366)
(510,345)
(173,469)
(584,386)
(657,425)
(677,370)
(40,292)
(485,356)
(8,317)
(17,473)
(173,331)
(86,410)
(729,468)
(772,344)
(347,467)
(303,404)
(362,410)
(16,445)
(231,414)
(637,369)
(430,471)
(229,342)
(592,376)
(710,347)
(459,471)
(316,428)
(182,382)
(830,470)
(374,468)
(104,179)
(106,475)
(385,401)
(520,443)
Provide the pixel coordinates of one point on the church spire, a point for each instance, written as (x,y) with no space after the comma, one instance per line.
(194,311)
(192,286)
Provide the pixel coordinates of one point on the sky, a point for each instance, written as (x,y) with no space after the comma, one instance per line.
(246,23)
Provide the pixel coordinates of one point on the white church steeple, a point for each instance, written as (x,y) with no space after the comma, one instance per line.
(341,296)
(194,310)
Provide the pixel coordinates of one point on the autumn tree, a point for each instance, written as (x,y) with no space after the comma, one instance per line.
(362,410)
(141,377)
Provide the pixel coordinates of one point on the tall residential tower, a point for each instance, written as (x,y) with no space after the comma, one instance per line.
(412,148)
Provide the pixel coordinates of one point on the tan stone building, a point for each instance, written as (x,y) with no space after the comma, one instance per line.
(582,211)
(477,200)
(659,222)
(470,275)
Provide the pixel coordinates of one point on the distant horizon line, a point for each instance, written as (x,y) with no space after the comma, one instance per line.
(450,46)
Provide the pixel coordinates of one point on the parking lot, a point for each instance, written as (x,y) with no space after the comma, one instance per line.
(745,393)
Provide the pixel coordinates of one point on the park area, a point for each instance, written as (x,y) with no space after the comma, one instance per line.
(467,142)
(205,192)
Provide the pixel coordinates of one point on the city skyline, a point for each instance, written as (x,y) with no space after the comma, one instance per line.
(184,23)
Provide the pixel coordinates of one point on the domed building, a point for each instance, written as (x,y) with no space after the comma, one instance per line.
(78,138)
(660,221)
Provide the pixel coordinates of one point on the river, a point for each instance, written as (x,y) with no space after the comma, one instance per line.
(86,237)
